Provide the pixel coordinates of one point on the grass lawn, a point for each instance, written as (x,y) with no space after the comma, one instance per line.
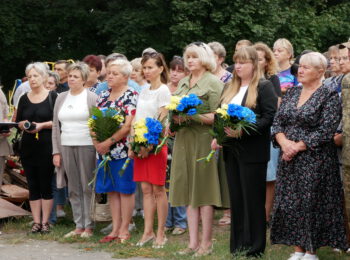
(175,243)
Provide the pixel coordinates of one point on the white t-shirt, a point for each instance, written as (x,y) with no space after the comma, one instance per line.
(73,116)
(238,98)
(151,100)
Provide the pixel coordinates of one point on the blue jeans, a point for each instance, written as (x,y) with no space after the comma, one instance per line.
(176,217)
(59,198)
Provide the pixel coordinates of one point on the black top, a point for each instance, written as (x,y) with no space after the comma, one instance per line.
(276,84)
(255,146)
(32,148)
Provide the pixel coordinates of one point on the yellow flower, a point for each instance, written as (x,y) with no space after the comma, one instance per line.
(174,101)
(140,129)
(222,112)
(224,106)
(119,118)
(91,123)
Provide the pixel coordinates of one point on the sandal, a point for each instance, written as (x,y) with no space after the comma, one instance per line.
(123,239)
(45,228)
(36,228)
(108,239)
(225,220)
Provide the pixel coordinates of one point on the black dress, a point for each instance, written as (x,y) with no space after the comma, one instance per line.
(36,150)
(308,209)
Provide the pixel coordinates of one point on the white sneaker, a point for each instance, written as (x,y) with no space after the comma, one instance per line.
(310,257)
(295,256)
(107,229)
(60,213)
(132,227)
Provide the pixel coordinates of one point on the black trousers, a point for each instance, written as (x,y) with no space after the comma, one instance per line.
(247,186)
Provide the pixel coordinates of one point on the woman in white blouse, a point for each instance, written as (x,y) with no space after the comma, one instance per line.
(72,143)
(150,169)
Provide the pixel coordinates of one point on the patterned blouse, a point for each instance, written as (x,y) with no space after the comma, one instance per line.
(125,103)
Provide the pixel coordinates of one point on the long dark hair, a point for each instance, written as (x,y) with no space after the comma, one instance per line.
(160,62)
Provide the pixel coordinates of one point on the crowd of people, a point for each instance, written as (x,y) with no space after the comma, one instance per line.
(288,174)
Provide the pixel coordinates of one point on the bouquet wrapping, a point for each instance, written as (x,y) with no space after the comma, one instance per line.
(104,122)
(234,116)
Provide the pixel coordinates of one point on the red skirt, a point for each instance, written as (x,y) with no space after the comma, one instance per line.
(152,169)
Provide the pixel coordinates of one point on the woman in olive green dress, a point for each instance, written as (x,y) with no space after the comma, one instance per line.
(198,185)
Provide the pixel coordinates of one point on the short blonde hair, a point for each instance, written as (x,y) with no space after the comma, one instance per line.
(82,67)
(136,63)
(284,43)
(124,66)
(203,52)
(218,49)
(314,59)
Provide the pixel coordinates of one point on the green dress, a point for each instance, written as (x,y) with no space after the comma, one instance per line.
(191,182)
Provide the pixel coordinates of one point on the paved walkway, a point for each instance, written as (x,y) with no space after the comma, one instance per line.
(30,249)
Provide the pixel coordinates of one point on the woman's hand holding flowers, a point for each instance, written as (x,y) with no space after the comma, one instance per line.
(214,145)
(102,147)
(233,133)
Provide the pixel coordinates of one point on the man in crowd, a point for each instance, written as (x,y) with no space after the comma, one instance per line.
(61,69)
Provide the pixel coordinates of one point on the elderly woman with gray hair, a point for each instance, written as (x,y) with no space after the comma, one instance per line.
(120,189)
(73,145)
(34,117)
(308,210)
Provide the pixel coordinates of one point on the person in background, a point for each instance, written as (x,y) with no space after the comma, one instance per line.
(5,148)
(308,209)
(95,67)
(60,68)
(150,169)
(239,44)
(59,194)
(72,145)
(136,74)
(53,81)
(283,51)
(225,76)
(220,55)
(102,76)
(268,66)
(34,117)
(176,220)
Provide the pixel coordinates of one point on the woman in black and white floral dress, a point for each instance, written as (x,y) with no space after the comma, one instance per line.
(309,203)
(121,189)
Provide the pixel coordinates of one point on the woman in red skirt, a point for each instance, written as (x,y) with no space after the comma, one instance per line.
(150,169)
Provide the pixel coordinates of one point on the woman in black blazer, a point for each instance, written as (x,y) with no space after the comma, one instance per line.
(246,154)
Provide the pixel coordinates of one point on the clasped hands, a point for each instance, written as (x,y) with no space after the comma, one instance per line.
(38,127)
(291,148)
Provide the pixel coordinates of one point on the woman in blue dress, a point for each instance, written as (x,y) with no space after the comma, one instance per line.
(121,189)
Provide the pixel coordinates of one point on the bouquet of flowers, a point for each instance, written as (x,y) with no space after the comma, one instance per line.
(234,116)
(103,123)
(183,106)
(148,132)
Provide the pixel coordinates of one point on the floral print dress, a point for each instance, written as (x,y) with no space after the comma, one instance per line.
(308,209)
